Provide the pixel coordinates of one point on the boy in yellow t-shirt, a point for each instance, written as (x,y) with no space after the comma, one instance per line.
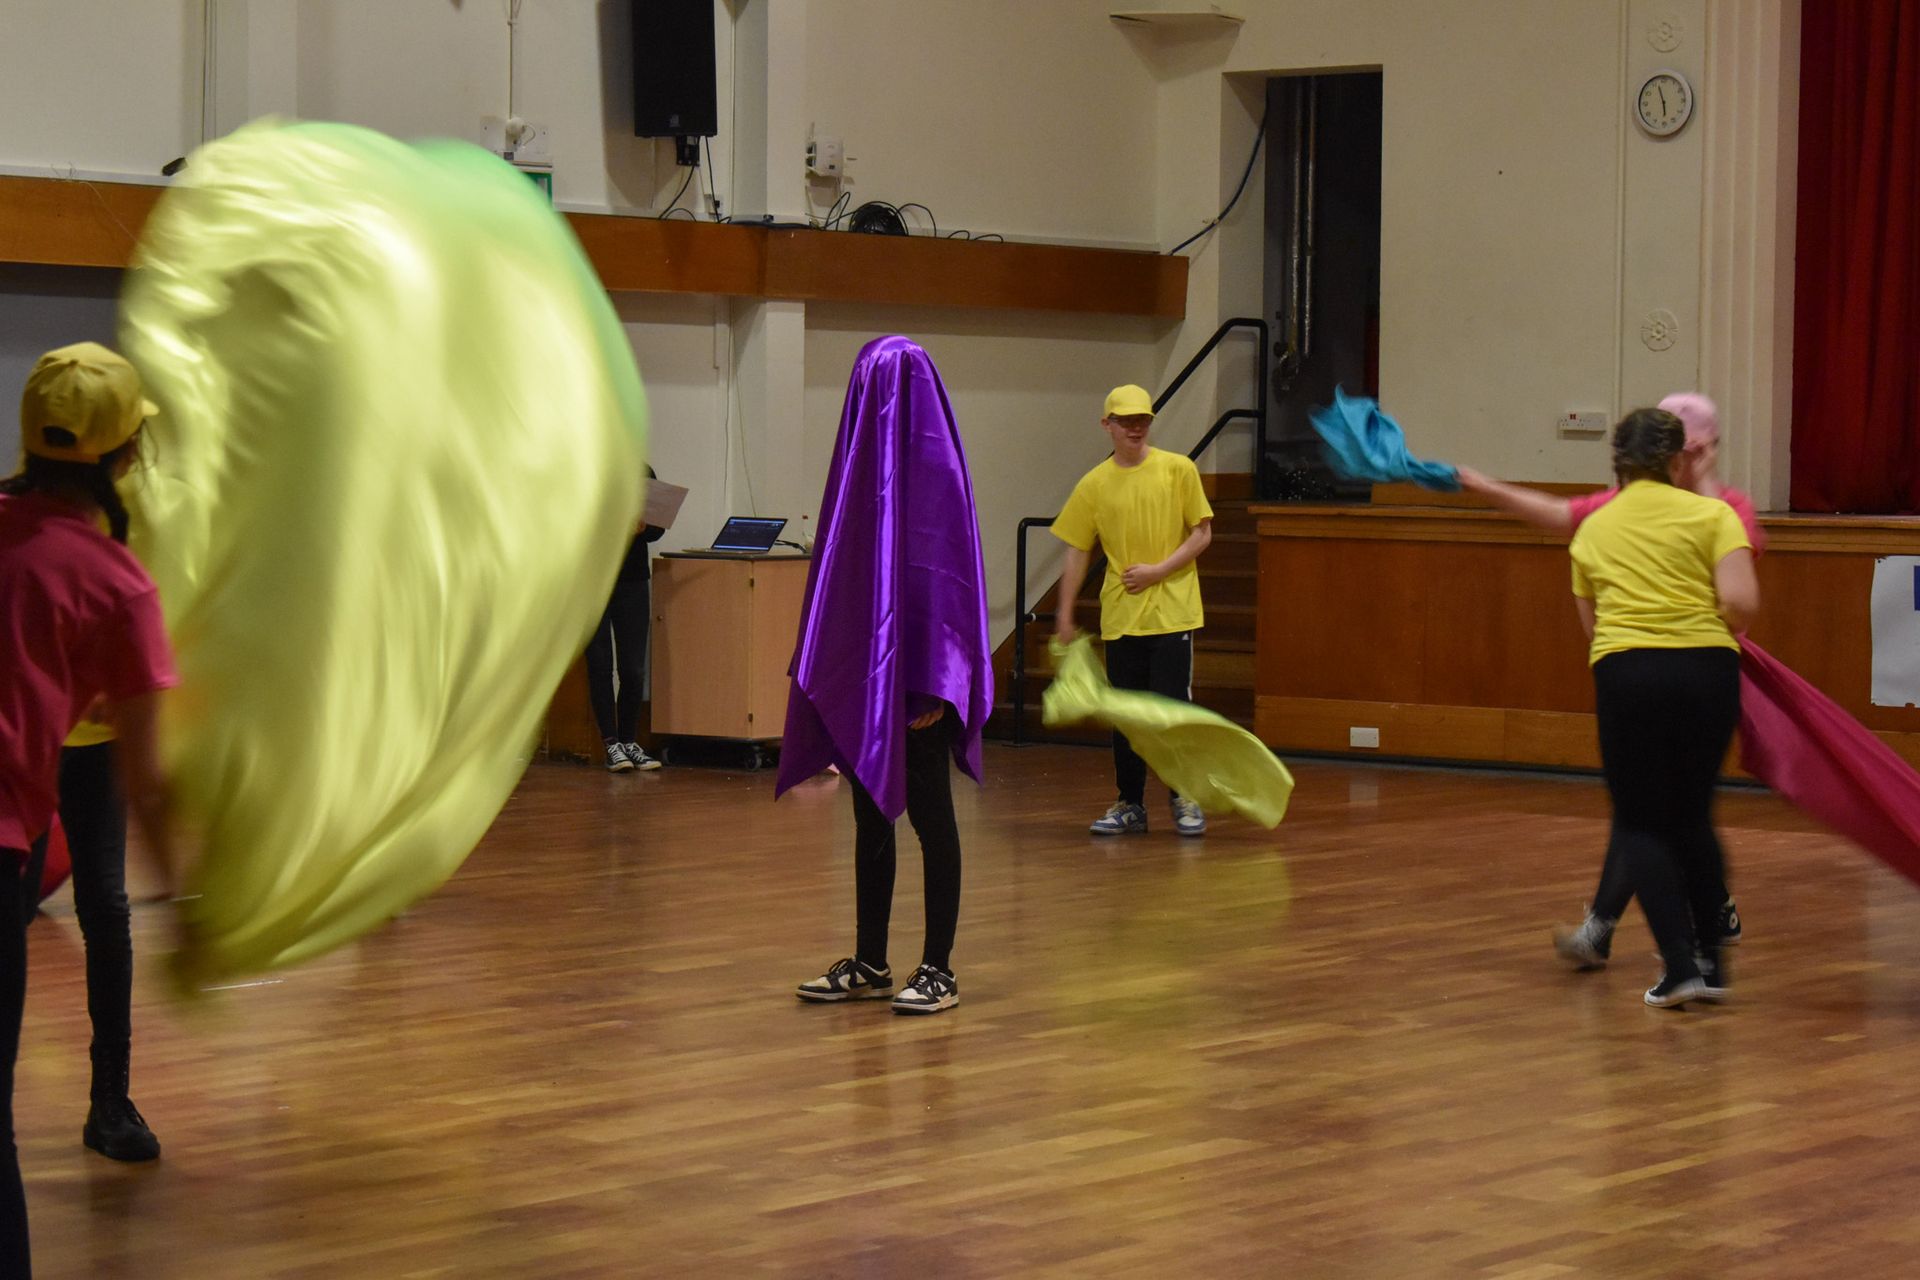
(1149,514)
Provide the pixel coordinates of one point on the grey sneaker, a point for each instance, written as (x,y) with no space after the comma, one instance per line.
(1122,819)
(1187,818)
(1588,946)
(641,760)
(848,979)
(618,761)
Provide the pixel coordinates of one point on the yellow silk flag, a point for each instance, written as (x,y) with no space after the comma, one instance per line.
(1199,753)
(398,461)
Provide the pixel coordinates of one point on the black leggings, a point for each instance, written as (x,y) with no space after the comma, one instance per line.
(1614,894)
(1666,717)
(1158,664)
(620,644)
(930,810)
(15,1257)
(95,817)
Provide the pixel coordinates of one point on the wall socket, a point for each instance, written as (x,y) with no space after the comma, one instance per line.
(1582,424)
(826,157)
(1359,737)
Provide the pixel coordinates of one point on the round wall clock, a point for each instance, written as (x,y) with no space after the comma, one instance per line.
(1664,104)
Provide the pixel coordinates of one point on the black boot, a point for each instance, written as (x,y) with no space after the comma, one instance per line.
(115,1127)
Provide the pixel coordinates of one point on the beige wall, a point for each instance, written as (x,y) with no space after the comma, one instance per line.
(1528,229)
(1026,391)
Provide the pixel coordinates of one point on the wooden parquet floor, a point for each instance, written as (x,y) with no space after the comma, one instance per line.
(1343,1049)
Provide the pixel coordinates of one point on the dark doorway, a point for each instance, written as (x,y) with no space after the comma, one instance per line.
(1322,265)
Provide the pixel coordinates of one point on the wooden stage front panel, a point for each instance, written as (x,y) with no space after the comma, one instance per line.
(1453,632)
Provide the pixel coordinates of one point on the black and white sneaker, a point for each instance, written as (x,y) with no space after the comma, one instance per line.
(929,991)
(1729,925)
(848,979)
(641,760)
(1671,993)
(1715,983)
(1120,819)
(618,761)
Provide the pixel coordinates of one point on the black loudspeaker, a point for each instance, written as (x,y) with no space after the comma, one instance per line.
(675,93)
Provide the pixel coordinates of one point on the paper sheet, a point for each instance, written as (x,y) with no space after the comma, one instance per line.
(1896,631)
(663,503)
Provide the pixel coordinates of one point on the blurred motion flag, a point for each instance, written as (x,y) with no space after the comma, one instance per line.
(1361,443)
(398,461)
(1198,753)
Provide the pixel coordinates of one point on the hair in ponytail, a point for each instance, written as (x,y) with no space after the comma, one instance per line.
(93,481)
(1645,443)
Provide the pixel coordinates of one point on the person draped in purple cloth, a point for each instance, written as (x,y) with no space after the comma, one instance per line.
(893,672)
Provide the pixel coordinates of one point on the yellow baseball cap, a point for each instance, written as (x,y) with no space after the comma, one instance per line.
(81,403)
(1125,402)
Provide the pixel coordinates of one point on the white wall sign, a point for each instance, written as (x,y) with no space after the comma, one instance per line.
(1896,631)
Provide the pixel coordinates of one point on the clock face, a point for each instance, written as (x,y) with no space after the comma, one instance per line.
(1664,104)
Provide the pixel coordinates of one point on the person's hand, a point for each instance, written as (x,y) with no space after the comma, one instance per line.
(1138,577)
(932,717)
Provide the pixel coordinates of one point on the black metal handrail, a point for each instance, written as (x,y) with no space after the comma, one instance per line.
(1258,416)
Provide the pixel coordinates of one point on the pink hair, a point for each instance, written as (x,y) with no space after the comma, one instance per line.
(1697,414)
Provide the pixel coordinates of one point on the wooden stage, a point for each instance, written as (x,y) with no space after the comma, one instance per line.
(1343,1049)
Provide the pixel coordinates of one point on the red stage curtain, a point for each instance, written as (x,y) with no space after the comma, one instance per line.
(1856,332)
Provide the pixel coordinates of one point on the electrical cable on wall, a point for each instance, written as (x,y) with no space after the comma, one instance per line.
(684,184)
(1252,156)
(713,197)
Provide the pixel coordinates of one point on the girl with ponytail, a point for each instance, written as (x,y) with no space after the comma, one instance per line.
(80,623)
(1663,581)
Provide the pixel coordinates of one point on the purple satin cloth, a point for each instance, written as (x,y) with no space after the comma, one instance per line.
(895,619)
(1830,766)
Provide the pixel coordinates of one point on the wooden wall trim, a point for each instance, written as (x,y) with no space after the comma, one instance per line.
(1480,735)
(1834,535)
(70,222)
(913,270)
(95,224)
(1412,495)
(1455,630)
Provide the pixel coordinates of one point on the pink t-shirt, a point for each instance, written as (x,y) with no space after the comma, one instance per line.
(1588,503)
(79,619)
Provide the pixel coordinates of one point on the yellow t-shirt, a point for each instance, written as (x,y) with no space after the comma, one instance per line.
(1646,560)
(1140,515)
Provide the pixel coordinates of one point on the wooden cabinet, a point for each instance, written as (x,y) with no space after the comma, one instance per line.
(723,636)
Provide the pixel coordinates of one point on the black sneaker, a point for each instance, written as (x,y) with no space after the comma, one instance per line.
(1729,925)
(848,979)
(930,991)
(1715,983)
(117,1130)
(1671,993)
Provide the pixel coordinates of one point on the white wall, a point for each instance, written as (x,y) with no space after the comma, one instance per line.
(100,86)
(1526,231)
(1034,120)
(1026,391)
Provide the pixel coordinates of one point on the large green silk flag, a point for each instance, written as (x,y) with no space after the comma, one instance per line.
(1199,753)
(398,461)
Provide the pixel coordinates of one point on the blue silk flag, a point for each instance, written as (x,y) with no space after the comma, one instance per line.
(1361,443)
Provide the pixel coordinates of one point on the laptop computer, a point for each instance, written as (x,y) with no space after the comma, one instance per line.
(748,535)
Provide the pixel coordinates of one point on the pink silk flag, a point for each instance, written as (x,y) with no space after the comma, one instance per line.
(1830,766)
